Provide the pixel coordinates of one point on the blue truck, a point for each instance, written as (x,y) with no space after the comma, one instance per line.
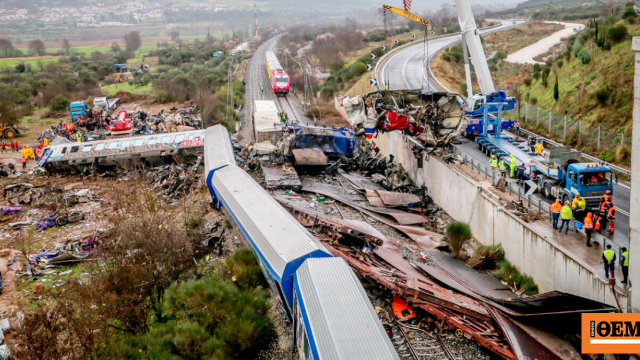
(476,125)
(558,171)
(77,109)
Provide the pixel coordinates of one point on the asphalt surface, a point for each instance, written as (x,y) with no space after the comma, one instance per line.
(407,69)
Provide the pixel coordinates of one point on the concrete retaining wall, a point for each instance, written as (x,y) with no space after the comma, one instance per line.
(551,267)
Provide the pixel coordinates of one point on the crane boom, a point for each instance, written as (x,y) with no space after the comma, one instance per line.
(472,40)
(406,14)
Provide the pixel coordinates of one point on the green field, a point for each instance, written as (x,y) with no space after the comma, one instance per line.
(141,90)
(11,63)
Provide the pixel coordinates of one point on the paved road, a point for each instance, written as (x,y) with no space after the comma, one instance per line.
(406,69)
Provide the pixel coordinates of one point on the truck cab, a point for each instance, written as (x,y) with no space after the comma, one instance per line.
(590,180)
(102,102)
(77,109)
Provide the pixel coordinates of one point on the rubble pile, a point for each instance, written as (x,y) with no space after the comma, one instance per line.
(175,181)
(179,119)
(433,119)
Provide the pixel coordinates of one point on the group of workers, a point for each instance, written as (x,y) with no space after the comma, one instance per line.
(13,145)
(592,221)
(27,151)
(73,133)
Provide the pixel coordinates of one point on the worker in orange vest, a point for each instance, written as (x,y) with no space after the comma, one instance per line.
(611,216)
(606,199)
(588,227)
(555,209)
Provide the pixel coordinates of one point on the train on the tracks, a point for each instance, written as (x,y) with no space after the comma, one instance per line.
(278,78)
(321,297)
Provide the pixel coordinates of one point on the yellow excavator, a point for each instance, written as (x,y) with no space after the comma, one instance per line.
(9,131)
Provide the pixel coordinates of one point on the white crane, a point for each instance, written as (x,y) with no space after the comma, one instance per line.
(471,41)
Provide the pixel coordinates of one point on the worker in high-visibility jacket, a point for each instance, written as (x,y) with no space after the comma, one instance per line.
(503,168)
(588,228)
(493,163)
(624,261)
(566,215)
(609,258)
(579,205)
(611,216)
(555,209)
(538,148)
(78,136)
(606,203)
(513,165)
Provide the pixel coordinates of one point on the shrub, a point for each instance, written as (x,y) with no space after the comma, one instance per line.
(556,93)
(623,154)
(59,103)
(458,233)
(585,57)
(21,67)
(537,68)
(603,95)
(536,75)
(533,100)
(374,37)
(577,48)
(617,33)
(560,63)
(446,57)
(527,81)
(358,69)
(500,55)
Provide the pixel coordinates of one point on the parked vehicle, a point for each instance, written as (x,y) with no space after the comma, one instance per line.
(77,109)
(107,105)
(121,68)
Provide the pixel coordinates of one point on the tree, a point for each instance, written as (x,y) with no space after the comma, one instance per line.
(37,47)
(9,113)
(132,40)
(66,45)
(617,33)
(175,35)
(115,47)
(556,93)
(59,103)
(6,46)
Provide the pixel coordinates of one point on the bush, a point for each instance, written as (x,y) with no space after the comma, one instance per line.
(603,95)
(585,57)
(537,68)
(536,75)
(446,57)
(374,37)
(358,69)
(500,55)
(527,81)
(560,63)
(617,33)
(21,67)
(458,233)
(577,48)
(59,103)
(533,100)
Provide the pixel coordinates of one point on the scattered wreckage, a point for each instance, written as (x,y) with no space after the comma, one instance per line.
(433,119)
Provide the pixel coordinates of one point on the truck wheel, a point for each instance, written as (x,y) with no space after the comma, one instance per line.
(9,133)
(565,198)
(547,191)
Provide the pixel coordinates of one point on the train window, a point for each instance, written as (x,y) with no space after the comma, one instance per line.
(190,137)
(113,145)
(178,139)
(100,146)
(74,149)
(138,143)
(152,142)
(165,140)
(64,150)
(125,144)
(87,148)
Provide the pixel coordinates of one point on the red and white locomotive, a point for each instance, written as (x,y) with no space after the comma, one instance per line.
(277,76)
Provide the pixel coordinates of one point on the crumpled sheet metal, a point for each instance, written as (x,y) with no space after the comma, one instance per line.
(382,198)
(337,193)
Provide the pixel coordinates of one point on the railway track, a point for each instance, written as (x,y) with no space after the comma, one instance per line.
(292,113)
(415,343)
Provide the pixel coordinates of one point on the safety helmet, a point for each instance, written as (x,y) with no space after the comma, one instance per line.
(608,192)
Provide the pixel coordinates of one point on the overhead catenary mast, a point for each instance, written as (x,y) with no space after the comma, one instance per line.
(255,9)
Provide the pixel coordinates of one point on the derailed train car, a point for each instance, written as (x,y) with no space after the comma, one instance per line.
(330,313)
(149,149)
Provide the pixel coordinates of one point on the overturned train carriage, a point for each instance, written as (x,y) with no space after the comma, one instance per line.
(434,118)
(330,313)
(150,150)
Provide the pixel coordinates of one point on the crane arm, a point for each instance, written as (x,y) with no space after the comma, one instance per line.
(472,40)
(406,14)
